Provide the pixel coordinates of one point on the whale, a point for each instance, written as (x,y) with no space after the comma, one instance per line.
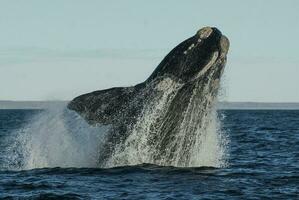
(161,119)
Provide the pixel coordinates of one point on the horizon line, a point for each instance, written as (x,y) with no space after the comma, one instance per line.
(60,100)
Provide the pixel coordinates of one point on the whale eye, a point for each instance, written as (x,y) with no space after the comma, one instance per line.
(205,32)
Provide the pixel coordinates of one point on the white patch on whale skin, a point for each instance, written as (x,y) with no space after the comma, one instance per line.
(191,46)
(165,84)
(205,32)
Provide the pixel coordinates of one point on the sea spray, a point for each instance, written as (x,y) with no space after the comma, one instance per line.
(56,137)
(60,138)
(210,148)
(199,140)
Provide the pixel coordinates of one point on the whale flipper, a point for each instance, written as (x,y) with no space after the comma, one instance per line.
(105,106)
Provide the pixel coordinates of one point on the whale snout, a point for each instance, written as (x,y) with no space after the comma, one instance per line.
(215,35)
(204,33)
(194,57)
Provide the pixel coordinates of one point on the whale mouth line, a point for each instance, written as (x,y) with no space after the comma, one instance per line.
(212,61)
(217,56)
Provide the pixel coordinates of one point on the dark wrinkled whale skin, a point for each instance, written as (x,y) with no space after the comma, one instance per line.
(187,64)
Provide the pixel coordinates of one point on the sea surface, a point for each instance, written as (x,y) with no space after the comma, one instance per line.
(262,163)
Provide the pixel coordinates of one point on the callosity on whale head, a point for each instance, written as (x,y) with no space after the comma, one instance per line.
(164,119)
(193,57)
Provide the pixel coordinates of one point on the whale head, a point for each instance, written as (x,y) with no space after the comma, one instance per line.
(195,57)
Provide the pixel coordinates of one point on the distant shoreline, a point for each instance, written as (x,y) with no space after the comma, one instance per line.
(5,105)
(221,105)
(257,106)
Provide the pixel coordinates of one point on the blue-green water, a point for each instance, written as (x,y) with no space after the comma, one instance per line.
(263,163)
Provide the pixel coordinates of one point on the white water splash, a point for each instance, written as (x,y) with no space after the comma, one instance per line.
(206,142)
(211,147)
(136,149)
(56,138)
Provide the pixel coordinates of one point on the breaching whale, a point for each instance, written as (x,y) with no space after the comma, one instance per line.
(160,120)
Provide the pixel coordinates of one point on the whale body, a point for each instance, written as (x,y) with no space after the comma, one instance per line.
(160,120)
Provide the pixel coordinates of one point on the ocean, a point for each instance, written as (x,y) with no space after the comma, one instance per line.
(261,162)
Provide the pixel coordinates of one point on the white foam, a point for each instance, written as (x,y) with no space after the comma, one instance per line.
(206,142)
(56,138)
(211,146)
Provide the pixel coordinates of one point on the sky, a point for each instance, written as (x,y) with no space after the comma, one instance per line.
(58,49)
